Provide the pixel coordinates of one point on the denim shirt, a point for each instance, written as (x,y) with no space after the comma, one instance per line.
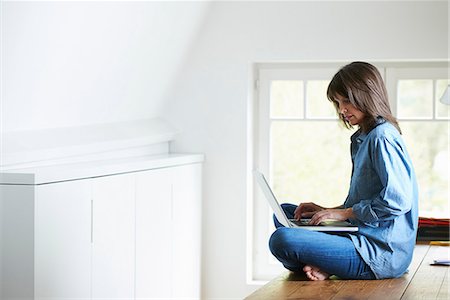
(383,195)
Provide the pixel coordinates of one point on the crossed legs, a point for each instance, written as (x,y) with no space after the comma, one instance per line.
(318,254)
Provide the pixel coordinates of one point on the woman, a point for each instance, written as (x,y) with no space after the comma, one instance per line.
(382,198)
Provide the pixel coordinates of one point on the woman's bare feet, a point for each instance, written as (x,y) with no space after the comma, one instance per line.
(314,273)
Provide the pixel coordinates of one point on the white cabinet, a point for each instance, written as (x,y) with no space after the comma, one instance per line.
(17,243)
(187,232)
(154,234)
(134,235)
(113,238)
(168,216)
(63,240)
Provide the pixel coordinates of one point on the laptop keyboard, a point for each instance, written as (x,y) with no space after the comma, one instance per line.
(301,222)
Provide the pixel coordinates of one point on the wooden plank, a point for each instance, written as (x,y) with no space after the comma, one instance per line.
(279,288)
(382,289)
(428,280)
(356,289)
(290,286)
(296,286)
(320,290)
(444,292)
(394,288)
(385,289)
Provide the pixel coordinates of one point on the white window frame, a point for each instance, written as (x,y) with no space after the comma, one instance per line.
(260,266)
(394,74)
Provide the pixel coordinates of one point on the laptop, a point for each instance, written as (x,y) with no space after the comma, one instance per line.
(302,223)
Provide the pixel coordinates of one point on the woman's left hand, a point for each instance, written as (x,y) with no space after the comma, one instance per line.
(331,214)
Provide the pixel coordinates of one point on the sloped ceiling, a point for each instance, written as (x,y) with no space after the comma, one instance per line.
(78,63)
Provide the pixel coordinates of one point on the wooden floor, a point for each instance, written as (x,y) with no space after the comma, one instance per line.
(423,281)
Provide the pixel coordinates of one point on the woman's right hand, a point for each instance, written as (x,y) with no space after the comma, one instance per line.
(306,210)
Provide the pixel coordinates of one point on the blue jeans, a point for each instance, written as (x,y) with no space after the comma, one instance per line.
(333,253)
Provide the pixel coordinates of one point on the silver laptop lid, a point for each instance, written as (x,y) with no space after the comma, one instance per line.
(282,218)
(278,211)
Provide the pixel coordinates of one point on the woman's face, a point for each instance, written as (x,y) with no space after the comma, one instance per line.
(350,113)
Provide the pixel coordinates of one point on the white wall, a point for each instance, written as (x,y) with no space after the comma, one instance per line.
(78,63)
(209,97)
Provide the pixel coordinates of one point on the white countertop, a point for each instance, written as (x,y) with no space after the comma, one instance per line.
(64,172)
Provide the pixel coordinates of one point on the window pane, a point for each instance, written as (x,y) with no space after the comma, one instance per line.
(310,161)
(318,105)
(415,98)
(442,110)
(286,99)
(428,145)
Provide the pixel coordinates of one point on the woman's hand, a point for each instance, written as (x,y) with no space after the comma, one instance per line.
(331,214)
(306,210)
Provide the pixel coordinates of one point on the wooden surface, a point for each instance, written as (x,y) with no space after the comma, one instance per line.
(423,281)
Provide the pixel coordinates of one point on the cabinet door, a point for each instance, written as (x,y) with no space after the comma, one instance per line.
(16,241)
(113,237)
(153,234)
(63,240)
(186,231)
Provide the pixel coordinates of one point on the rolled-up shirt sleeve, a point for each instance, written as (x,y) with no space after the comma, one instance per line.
(389,162)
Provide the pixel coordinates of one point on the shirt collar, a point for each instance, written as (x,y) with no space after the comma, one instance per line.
(360,136)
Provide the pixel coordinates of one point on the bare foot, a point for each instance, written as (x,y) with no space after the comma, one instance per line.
(314,273)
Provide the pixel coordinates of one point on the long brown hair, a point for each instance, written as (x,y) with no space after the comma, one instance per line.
(363,86)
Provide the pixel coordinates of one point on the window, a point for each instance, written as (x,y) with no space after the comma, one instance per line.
(305,152)
(424,120)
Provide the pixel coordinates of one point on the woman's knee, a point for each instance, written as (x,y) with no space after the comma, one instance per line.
(288,209)
(279,241)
